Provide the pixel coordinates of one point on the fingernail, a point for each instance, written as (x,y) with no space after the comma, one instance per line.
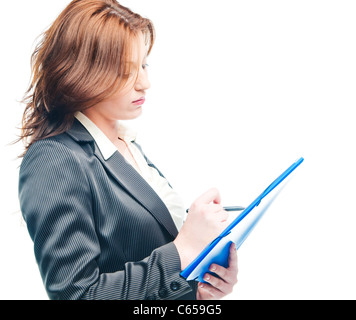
(212,268)
(206,277)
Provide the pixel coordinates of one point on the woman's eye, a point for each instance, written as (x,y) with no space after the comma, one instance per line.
(144,66)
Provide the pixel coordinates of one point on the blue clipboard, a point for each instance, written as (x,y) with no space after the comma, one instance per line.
(239,229)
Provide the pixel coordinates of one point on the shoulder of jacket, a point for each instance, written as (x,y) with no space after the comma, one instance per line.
(60,146)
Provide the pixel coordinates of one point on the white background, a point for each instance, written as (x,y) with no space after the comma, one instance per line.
(240,89)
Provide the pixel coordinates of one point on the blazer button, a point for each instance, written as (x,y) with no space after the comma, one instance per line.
(175,286)
(163,293)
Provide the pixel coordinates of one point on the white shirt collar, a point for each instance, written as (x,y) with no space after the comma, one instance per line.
(107,148)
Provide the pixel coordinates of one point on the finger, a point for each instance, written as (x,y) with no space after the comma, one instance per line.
(224,215)
(219,271)
(215,208)
(220,217)
(208,292)
(232,260)
(212,195)
(227,275)
(218,284)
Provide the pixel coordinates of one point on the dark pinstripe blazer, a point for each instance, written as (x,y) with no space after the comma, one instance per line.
(99,230)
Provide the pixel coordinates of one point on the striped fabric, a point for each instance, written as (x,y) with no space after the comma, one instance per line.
(99,230)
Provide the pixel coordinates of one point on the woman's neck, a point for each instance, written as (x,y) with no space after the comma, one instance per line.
(108,126)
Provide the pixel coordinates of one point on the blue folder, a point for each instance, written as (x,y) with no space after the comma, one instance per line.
(239,229)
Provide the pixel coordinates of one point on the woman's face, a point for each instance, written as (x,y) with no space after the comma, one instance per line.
(127,103)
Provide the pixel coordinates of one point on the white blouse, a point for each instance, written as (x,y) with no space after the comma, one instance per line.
(159,184)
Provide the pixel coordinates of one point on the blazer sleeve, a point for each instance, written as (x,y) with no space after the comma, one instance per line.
(56,202)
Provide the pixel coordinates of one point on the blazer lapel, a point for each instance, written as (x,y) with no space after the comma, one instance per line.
(129,179)
(149,162)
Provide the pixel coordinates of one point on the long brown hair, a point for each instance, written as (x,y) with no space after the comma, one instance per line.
(81,60)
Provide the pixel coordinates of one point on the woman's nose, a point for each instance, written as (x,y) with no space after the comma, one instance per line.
(142,82)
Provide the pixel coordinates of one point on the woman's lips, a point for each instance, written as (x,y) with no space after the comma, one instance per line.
(139,102)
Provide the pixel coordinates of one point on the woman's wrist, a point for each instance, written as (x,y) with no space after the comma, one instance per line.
(184,252)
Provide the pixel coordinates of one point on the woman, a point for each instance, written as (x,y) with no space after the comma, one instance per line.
(103,219)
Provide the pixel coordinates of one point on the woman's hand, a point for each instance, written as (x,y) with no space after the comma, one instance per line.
(205,221)
(218,288)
